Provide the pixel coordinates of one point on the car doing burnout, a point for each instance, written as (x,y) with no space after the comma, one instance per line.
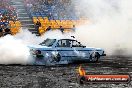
(63,51)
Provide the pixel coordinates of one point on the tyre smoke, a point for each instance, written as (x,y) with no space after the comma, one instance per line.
(14,50)
(110,28)
(110,24)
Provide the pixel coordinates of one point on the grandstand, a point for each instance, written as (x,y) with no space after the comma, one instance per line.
(49,13)
(54,13)
(9,24)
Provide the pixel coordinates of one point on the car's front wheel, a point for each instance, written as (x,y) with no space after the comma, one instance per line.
(94,57)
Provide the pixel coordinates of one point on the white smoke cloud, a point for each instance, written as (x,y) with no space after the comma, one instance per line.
(110,29)
(27,37)
(13,51)
(110,26)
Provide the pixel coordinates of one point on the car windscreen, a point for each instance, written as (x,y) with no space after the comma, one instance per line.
(48,42)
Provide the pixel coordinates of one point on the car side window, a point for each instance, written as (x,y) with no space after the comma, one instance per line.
(59,44)
(76,44)
(63,43)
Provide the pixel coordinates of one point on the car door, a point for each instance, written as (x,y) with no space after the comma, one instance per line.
(80,52)
(64,48)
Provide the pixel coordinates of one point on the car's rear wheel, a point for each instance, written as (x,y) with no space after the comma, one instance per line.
(56,57)
(94,57)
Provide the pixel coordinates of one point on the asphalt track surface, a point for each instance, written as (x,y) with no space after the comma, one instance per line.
(63,76)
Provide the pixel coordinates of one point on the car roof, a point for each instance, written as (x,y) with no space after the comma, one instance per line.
(65,39)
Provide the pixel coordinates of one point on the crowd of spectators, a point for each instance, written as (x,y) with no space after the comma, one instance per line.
(53,9)
(54,14)
(7,13)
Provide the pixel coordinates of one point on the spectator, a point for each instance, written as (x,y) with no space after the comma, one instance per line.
(37,25)
(7,13)
(7,31)
(1,16)
(49,28)
(1,31)
(5,22)
(61,29)
(74,28)
(1,23)
(50,16)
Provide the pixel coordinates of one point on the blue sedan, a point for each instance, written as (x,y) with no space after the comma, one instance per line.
(63,51)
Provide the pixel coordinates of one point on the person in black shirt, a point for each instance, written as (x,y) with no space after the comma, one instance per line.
(1,32)
(49,28)
(61,29)
(7,31)
(38,24)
